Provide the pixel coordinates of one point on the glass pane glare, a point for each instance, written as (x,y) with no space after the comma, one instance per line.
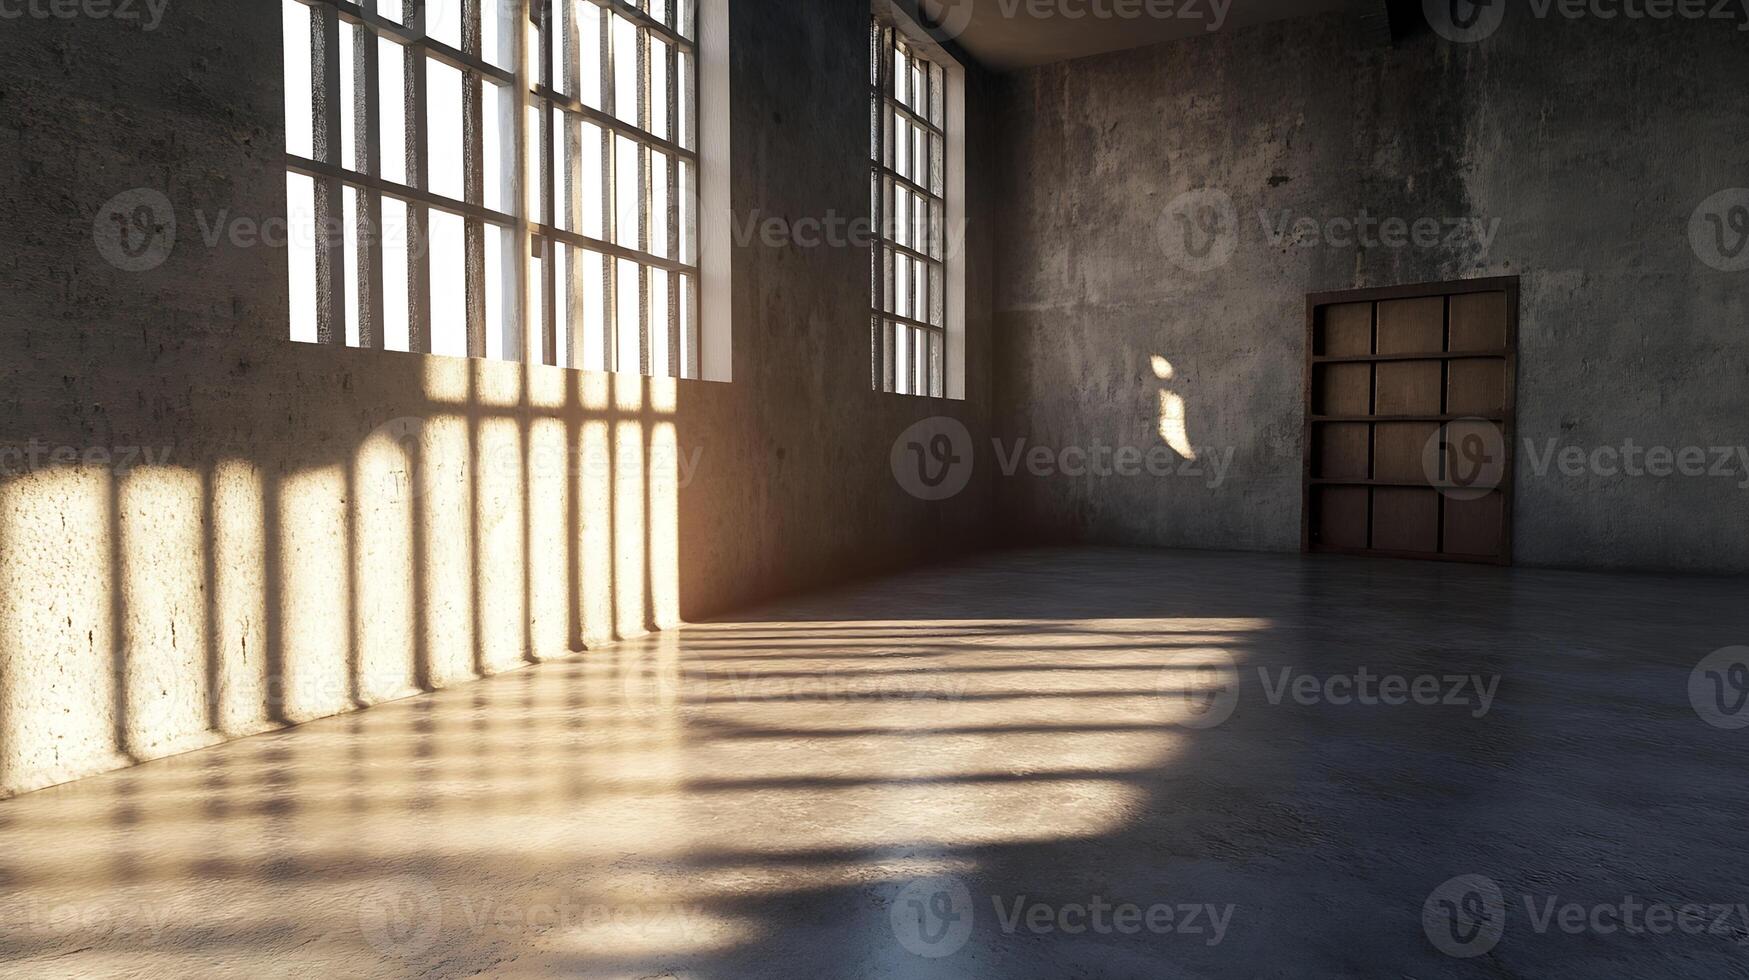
(629,201)
(392,84)
(498,128)
(628,324)
(300,205)
(592,320)
(397,249)
(443,122)
(625,69)
(299,99)
(449,300)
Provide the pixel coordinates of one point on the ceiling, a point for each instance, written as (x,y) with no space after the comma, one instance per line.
(1008,34)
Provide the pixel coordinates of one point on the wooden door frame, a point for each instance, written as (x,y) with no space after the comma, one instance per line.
(1509,423)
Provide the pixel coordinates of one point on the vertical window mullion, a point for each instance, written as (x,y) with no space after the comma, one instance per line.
(330,207)
(367,114)
(474,182)
(610,177)
(419,176)
(671,65)
(549,191)
(646,204)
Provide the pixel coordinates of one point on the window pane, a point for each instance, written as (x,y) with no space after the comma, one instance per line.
(352,202)
(498,33)
(502,322)
(688,104)
(350,153)
(300,210)
(657,60)
(625,69)
(592,319)
(498,128)
(299,98)
(563,314)
(449,299)
(443,21)
(443,121)
(397,246)
(627,192)
(592,146)
(392,83)
(688,216)
(628,323)
(658,204)
(660,365)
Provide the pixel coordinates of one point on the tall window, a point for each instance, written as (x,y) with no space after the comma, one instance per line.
(909,342)
(512,179)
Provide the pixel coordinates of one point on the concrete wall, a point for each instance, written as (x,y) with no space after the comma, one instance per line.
(284,555)
(1591,142)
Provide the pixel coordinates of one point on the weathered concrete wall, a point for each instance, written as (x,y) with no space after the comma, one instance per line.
(284,555)
(1590,142)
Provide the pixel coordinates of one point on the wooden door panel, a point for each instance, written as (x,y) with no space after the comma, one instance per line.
(1343,451)
(1347,331)
(1405,520)
(1344,389)
(1476,388)
(1408,388)
(1478,322)
(1412,326)
(1401,451)
(1410,418)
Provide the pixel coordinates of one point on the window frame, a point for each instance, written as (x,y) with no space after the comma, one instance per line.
(531,188)
(938,250)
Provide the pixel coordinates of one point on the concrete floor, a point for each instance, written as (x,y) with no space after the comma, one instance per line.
(865,783)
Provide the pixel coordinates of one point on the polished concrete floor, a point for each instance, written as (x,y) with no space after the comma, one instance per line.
(1078,763)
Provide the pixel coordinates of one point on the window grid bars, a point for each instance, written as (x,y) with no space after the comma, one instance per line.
(332,177)
(924,368)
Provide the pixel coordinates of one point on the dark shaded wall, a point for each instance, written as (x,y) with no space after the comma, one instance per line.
(1592,143)
(281,560)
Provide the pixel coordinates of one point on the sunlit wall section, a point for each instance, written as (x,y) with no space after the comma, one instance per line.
(631,617)
(665,468)
(549,535)
(314,610)
(56,640)
(385,482)
(239,597)
(164,612)
(595,530)
(446,534)
(500,582)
